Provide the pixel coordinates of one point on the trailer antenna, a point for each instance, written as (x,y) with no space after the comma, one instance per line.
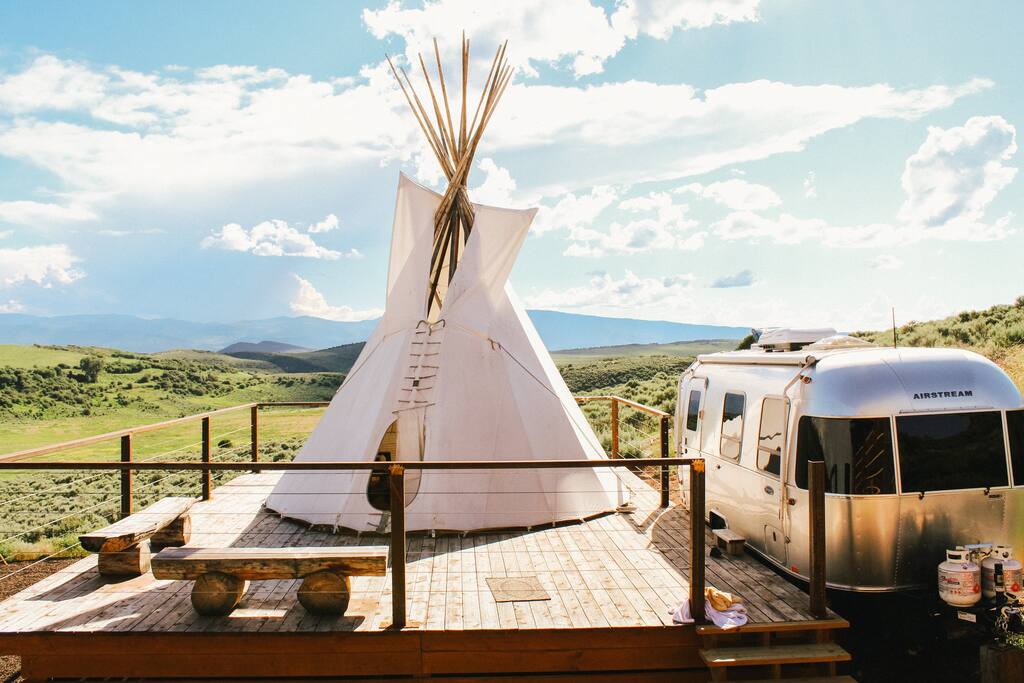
(894,338)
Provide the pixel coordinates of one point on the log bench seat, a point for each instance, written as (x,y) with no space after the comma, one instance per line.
(221,575)
(125,547)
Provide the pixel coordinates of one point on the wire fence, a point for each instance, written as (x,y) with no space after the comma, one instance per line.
(42,513)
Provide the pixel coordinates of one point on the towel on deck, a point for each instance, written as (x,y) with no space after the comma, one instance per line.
(724,610)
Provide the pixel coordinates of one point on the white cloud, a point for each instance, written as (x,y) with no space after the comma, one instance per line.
(497,187)
(188,132)
(957,172)
(12,306)
(662,225)
(810,191)
(182,135)
(574,211)
(631,291)
(128,233)
(271,238)
(326,225)
(949,183)
(635,131)
(309,301)
(736,194)
(744,278)
(25,212)
(886,262)
(571,33)
(44,266)
(788,229)
(660,18)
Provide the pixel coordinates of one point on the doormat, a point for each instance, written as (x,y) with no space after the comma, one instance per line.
(516,588)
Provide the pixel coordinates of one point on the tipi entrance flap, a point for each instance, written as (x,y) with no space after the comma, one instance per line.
(491,251)
(411,448)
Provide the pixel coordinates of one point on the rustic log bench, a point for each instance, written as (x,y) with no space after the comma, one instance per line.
(125,546)
(222,574)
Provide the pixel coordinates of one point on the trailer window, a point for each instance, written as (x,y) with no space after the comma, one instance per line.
(769,437)
(693,411)
(949,451)
(1015,423)
(857,454)
(732,425)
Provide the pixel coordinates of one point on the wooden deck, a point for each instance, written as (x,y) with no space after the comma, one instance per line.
(612,583)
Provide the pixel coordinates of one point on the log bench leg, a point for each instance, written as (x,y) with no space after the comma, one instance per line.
(132,561)
(174,535)
(325,592)
(217,593)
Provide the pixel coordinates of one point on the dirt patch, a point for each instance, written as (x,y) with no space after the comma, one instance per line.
(14,578)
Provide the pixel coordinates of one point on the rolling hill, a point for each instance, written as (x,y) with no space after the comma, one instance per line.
(334,359)
(263,347)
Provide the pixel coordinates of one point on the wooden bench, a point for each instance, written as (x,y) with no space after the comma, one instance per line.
(729,541)
(125,547)
(222,574)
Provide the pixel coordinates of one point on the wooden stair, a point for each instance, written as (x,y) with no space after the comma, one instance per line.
(803,650)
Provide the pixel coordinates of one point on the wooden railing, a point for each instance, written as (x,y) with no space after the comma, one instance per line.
(126,466)
(126,435)
(664,420)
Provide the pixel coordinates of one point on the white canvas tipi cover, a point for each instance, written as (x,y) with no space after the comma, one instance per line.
(477,384)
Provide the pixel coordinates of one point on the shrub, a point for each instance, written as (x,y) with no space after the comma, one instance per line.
(91,367)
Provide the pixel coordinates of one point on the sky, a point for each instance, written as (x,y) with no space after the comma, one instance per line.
(741,162)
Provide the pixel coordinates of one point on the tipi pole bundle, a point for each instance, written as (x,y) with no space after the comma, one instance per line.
(453,220)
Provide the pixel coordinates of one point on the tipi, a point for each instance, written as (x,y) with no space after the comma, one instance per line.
(454,370)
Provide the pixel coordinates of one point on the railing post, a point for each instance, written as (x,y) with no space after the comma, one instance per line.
(397,490)
(697,541)
(615,428)
(254,433)
(206,458)
(816,495)
(665,502)
(126,476)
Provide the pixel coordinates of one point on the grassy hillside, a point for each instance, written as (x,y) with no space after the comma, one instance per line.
(334,359)
(46,396)
(997,332)
(686,349)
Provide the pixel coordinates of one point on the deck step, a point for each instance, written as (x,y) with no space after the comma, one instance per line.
(776,627)
(729,541)
(808,653)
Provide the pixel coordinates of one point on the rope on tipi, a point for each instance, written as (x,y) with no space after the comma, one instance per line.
(453,220)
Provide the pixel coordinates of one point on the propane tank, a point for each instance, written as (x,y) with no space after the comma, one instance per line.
(1012,574)
(959,579)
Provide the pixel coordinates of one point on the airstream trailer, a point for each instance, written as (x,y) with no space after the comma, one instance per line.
(923,449)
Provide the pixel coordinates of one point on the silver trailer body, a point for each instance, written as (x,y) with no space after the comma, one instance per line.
(924,450)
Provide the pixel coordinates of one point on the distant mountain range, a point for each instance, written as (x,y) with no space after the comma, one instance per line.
(558,330)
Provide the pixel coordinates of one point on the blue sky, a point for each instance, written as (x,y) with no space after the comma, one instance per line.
(713,161)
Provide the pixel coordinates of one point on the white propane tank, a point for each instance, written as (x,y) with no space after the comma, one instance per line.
(1011,573)
(959,579)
